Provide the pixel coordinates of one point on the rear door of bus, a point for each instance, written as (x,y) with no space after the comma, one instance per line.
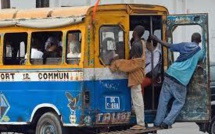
(197,106)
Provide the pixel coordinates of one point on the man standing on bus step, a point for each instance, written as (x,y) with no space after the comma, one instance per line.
(176,78)
(134,68)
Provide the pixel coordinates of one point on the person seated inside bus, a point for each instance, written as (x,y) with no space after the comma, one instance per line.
(9,49)
(36,52)
(52,49)
(152,48)
(108,51)
(74,46)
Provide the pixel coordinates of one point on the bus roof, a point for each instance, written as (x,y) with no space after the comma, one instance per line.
(63,16)
(42,17)
(8,14)
(68,11)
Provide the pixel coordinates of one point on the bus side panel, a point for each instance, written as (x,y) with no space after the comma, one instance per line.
(111,98)
(19,99)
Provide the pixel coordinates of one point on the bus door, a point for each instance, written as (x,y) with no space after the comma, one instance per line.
(112,95)
(197,106)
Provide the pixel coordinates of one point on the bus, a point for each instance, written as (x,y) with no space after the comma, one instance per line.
(72,86)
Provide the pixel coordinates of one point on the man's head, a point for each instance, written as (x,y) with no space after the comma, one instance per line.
(51,42)
(138,32)
(196,37)
(72,37)
(151,44)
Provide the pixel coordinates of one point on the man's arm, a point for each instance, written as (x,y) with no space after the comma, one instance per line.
(127,66)
(155,38)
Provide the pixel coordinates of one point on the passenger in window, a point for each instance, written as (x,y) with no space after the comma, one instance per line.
(74,46)
(135,69)
(177,78)
(108,50)
(9,49)
(151,48)
(36,52)
(52,49)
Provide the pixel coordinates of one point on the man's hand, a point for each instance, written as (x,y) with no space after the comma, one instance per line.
(153,37)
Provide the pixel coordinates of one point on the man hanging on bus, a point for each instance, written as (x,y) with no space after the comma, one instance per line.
(134,68)
(176,79)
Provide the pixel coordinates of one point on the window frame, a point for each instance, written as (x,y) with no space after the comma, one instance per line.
(5,4)
(42,60)
(42,3)
(100,35)
(4,55)
(66,49)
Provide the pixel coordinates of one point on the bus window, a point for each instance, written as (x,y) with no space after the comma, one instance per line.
(73,47)
(46,48)
(112,43)
(15,46)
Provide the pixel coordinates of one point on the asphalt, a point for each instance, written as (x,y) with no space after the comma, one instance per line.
(182,128)
(178,128)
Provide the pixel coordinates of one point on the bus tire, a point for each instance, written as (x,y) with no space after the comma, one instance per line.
(49,123)
(212,126)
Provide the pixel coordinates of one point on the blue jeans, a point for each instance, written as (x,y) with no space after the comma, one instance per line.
(170,89)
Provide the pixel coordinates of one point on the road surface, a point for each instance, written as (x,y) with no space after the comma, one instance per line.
(178,128)
(182,128)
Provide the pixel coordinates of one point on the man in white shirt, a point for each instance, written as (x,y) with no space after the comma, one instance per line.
(36,54)
(152,49)
(35,50)
(74,47)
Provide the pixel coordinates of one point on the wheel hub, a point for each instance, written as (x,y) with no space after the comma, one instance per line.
(48,129)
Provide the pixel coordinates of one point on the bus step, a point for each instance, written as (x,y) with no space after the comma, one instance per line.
(129,131)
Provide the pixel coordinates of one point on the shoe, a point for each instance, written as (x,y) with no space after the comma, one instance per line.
(138,127)
(164,126)
(158,126)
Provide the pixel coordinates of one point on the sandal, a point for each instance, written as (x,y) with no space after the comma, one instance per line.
(138,127)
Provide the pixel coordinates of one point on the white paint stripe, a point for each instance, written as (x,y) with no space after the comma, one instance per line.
(103,74)
(26,123)
(13,123)
(44,105)
(41,76)
(70,125)
(58,76)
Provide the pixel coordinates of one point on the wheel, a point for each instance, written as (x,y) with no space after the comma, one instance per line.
(212,126)
(49,123)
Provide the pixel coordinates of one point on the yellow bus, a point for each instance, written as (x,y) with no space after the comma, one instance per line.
(54,75)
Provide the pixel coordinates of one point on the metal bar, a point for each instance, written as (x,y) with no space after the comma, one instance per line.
(152,65)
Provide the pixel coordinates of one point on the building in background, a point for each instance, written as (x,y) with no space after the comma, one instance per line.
(174,7)
(5,4)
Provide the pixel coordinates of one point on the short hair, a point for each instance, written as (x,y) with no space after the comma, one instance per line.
(140,30)
(154,42)
(36,43)
(52,40)
(196,37)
